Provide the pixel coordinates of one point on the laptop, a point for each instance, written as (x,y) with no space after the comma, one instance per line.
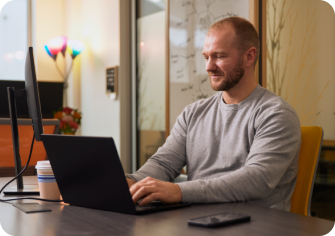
(89,174)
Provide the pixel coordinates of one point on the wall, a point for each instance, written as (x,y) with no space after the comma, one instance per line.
(301,57)
(73,30)
(96,24)
(325,72)
(49,23)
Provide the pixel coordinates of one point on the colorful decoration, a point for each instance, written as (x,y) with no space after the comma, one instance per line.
(70,119)
(75,47)
(62,45)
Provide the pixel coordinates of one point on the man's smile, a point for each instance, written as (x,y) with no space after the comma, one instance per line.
(215,76)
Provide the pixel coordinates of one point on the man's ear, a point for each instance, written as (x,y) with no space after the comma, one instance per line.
(250,56)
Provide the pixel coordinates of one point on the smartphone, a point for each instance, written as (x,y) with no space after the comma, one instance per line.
(217,220)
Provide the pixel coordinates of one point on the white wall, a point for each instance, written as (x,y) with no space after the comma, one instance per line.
(73,31)
(100,29)
(98,22)
(50,22)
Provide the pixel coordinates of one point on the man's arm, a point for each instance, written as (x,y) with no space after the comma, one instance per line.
(165,165)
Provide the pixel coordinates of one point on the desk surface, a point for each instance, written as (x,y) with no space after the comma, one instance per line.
(71,220)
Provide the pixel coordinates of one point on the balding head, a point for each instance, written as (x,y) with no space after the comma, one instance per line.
(246,35)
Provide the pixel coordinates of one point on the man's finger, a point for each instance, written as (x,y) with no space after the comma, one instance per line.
(148,181)
(143,191)
(149,198)
(137,186)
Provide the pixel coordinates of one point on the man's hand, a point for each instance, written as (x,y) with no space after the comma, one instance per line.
(155,189)
(130,182)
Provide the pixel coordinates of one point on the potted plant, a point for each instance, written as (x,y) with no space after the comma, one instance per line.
(70,120)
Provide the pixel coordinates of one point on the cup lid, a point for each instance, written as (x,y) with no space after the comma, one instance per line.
(43,165)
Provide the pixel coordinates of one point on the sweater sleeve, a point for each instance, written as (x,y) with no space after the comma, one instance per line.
(166,164)
(276,145)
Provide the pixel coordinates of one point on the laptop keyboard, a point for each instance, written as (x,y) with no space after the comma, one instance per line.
(150,206)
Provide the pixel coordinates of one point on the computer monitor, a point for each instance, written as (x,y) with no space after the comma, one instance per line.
(32,96)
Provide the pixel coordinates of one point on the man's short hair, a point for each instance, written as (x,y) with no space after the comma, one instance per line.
(246,34)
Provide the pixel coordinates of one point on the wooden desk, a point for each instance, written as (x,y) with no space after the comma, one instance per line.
(71,220)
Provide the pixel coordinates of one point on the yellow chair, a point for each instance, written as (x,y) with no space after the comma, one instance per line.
(312,137)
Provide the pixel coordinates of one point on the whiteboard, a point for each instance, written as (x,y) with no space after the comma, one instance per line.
(189,21)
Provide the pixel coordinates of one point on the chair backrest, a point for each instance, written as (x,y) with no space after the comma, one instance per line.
(311,144)
(51,126)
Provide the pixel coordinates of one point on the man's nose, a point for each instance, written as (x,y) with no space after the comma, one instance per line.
(210,65)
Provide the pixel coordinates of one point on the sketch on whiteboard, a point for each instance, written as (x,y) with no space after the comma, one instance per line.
(189,23)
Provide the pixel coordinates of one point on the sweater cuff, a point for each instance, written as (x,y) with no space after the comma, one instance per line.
(192,192)
(136,176)
(131,177)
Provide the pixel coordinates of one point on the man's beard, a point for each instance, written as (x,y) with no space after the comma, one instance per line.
(231,79)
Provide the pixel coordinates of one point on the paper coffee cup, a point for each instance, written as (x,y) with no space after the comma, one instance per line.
(46,181)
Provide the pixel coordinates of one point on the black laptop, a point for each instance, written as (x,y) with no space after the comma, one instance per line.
(89,173)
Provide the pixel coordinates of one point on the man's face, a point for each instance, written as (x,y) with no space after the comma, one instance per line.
(224,64)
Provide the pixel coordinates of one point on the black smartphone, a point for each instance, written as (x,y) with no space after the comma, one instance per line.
(222,219)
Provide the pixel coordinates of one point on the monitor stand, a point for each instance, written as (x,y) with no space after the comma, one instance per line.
(26,190)
(20,189)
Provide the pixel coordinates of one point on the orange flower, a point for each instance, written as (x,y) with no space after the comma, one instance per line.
(58,115)
(76,115)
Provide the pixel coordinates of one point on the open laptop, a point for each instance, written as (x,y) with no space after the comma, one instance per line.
(89,173)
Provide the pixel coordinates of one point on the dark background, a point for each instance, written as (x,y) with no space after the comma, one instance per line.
(51,98)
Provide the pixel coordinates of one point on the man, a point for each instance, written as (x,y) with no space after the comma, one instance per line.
(239,145)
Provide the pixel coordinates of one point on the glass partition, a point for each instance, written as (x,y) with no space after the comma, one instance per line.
(150,44)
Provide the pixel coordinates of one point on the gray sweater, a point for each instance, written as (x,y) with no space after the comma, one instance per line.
(234,152)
